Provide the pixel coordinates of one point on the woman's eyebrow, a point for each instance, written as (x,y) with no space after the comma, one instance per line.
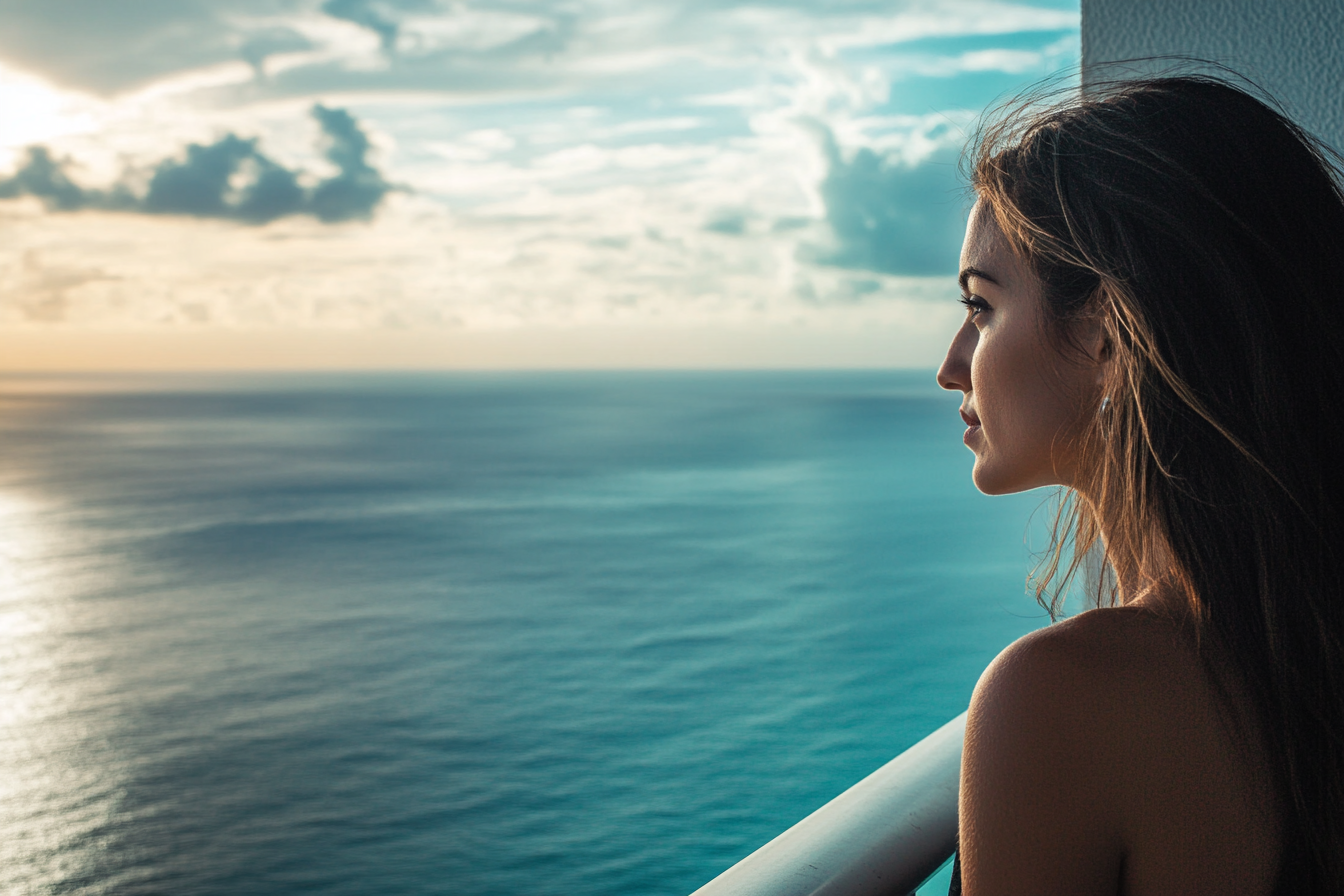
(968,273)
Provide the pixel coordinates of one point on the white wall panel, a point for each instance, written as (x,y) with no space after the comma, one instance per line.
(1294,48)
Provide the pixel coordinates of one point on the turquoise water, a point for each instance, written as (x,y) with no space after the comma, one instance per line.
(571,634)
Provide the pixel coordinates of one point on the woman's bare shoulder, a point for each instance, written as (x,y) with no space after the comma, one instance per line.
(1122,689)
(1099,744)
(1069,699)
(1105,658)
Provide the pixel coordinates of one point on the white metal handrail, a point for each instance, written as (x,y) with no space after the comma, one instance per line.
(884,836)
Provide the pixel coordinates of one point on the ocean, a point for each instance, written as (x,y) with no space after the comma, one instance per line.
(576,634)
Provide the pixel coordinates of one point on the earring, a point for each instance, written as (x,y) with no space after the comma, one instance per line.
(1104,417)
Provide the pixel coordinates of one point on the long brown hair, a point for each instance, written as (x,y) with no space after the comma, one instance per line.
(1206,231)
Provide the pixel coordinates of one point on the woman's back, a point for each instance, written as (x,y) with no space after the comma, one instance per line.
(1100,758)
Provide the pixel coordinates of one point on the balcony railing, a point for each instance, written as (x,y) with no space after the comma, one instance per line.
(884,836)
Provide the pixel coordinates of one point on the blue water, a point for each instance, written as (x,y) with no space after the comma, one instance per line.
(576,634)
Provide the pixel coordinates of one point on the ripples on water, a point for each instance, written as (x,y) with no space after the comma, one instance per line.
(511,634)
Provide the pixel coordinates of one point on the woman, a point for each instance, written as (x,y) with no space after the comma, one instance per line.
(1152,278)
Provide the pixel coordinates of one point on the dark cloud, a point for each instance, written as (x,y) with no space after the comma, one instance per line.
(44,177)
(358,189)
(888,217)
(230,178)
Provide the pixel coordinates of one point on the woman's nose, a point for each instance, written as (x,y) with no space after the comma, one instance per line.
(955,372)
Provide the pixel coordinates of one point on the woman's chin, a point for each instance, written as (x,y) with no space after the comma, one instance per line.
(992,479)
(990,486)
(983,477)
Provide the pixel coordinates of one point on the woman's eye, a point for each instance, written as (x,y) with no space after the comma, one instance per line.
(974,306)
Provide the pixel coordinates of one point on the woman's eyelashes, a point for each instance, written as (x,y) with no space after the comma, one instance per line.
(975,306)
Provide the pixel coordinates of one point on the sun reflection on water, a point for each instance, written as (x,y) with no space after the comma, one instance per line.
(58,780)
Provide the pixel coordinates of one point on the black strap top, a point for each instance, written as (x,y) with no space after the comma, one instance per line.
(955,888)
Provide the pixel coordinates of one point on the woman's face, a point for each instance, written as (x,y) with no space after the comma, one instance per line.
(1021,398)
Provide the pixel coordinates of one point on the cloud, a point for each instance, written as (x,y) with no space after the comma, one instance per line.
(256,47)
(204,184)
(729,223)
(365,15)
(41,292)
(445,46)
(888,216)
(107,48)
(358,189)
(577,163)
(229,179)
(44,177)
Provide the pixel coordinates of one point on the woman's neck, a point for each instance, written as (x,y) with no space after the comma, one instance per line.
(1145,573)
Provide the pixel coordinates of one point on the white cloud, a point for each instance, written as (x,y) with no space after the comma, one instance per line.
(547,261)
(623,164)
(464,28)
(976,17)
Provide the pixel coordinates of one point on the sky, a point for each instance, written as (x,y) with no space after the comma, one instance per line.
(364,184)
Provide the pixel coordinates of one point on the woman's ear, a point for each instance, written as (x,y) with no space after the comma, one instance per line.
(1098,332)
(1092,336)
(1105,350)
(1102,349)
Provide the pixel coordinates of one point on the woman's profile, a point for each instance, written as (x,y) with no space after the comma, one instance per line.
(1152,275)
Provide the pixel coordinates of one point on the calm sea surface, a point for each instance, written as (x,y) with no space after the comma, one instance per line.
(553,635)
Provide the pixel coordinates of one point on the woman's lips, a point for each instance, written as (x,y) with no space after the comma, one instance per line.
(972,426)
